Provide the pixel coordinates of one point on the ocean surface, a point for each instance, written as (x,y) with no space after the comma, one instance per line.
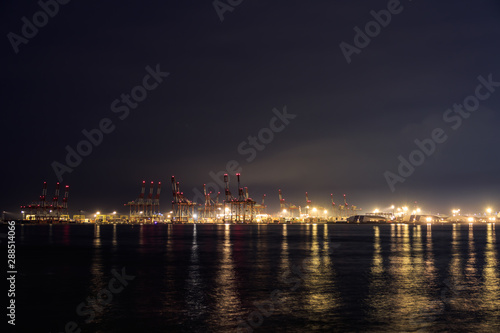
(262,278)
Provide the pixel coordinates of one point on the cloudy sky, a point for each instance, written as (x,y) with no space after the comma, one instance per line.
(348,122)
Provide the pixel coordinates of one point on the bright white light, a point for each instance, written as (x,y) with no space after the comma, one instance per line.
(429,219)
(470,219)
(98,213)
(195,216)
(284,211)
(489,210)
(314,209)
(375,211)
(418,210)
(114,213)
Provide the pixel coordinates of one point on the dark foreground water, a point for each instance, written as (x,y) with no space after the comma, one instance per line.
(269,278)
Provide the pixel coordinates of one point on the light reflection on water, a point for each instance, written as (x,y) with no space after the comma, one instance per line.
(491,287)
(97,282)
(317,302)
(201,278)
(195,298)
(225,295)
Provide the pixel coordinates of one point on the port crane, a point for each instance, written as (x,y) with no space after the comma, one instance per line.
(242,207)
(182,208)
(287,206)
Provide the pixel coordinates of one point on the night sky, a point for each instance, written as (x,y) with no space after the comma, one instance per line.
(346,123)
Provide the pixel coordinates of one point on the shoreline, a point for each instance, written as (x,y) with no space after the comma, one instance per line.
(254,223)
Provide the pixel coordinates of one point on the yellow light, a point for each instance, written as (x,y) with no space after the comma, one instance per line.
(418,210)
(284,211)
(429,219)
(470,219)
(375,211)
(325,211)
(405,208)
(314,209)
(98,213)
(489,210)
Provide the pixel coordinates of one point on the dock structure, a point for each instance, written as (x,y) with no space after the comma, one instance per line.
(261,208)
(183,209)
(210,210)
(143,210)
(343,211)
(46,211)
(240,209)
(288,209)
